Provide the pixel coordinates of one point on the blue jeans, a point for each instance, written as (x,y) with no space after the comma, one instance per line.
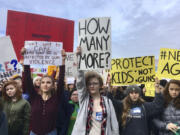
(54,132)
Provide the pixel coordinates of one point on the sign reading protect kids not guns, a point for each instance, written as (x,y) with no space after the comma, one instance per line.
(136,70)
(94,37)
(42,53)
(169,63)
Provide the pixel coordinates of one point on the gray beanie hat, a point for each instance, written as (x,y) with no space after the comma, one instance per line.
(133,88)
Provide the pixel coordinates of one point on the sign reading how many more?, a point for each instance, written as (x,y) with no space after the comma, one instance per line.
(94,38)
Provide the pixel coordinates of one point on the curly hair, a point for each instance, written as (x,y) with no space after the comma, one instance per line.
(127,103)
(18,93)
(167,96)
(91,74)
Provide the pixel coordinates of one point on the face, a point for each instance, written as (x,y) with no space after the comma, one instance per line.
(93,86)
(134,96)
(10,90)
(174,90)
(46,84)
(38,82)
(70,86)
(74,96)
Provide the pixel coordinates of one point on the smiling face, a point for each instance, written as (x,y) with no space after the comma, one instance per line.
(46,84)
(93,86)
(10,90)
(174,90)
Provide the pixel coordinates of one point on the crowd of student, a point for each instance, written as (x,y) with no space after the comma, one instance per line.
(45,106)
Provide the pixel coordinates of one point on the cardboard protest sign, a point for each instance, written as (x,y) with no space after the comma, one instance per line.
(4,76)
(8,61)
(43,53)
(94,37)
(169,63)
(23,26)
(71,65)
(150,89)
(136,70)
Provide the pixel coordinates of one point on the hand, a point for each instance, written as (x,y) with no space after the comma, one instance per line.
(144,90)
(157,82)
(78,50)
(21,61)
(172,127)
(23,51)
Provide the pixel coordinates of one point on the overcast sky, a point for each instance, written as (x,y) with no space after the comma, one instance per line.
(139,27)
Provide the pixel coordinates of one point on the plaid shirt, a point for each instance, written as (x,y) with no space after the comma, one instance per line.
(89,118)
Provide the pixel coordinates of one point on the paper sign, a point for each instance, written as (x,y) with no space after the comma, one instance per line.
(150,90)
(169,63)
(43,53)
(94,37)
(71,65)
(136,70)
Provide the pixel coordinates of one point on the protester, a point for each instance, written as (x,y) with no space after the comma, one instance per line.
(73,110)
(3,121)
(133,112)
(17,78)
(36,83)
(70,81)
(96,114)
(16,109)
(45,104)
(169,121)
(162,85)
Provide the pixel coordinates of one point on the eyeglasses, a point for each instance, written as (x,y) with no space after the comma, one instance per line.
(93,84)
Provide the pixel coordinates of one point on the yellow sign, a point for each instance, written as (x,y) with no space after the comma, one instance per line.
(169,63)
(136,70)
(51,69)
(150,90)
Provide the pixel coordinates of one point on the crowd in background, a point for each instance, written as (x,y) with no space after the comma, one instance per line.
(45,105)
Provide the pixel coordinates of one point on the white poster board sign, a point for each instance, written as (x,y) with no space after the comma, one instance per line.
(94,37)
(71,64)
(43,53)
(8,60)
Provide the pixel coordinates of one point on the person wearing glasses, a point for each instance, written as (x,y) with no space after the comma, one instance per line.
(96,115)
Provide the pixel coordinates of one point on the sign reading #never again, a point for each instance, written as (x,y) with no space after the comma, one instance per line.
(169,63)
(94,38)
(136,70)
(43,53)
